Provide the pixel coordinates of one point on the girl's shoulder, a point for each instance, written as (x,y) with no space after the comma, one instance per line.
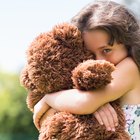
(130,68)
(128,62)
(127,59)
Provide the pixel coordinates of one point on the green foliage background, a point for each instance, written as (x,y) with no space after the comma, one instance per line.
(15,118)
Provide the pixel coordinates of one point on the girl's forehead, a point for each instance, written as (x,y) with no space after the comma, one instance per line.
(97,38)
(96,35)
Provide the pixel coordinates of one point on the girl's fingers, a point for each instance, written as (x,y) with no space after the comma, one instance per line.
(114,114)
(110,125)
(99,119)
(101,115)
(36,121)
(107,115)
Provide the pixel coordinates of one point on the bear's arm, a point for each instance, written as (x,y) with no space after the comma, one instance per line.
(85,102)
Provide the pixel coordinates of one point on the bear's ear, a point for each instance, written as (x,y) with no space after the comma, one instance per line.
(67,34)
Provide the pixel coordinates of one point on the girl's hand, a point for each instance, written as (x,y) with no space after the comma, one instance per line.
(47,114)
(39,109)
(107,115)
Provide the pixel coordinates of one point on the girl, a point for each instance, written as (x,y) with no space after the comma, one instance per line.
(112,33)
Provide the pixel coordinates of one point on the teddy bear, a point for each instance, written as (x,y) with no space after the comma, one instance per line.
(58,60)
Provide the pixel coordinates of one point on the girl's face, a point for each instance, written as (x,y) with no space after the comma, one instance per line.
(97,42)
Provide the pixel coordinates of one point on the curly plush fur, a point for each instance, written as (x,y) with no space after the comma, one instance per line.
(58,60)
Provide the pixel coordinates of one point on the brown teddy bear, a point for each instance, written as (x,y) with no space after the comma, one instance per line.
(58,60)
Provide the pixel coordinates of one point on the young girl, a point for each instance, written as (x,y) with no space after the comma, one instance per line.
(112,33)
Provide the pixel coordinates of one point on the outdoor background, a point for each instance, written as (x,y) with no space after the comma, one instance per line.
(20,22)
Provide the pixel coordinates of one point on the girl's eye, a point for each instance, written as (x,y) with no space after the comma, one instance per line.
(106,50)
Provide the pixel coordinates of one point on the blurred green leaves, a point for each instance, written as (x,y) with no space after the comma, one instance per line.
(15,118)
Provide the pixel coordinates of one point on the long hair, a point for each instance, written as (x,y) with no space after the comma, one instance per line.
(119,22)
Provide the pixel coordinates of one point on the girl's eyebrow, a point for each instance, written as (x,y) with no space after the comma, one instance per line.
(102,47)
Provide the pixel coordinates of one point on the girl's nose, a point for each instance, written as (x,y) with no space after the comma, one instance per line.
(100,57)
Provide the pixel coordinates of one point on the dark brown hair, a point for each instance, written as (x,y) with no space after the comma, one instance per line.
(119,22)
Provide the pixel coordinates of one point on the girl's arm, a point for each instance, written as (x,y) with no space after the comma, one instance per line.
(84,102)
